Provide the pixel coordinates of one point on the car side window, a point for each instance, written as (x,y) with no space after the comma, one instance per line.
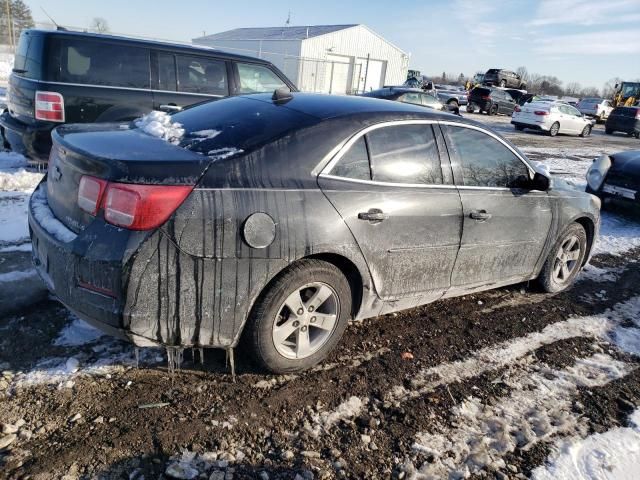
(354,163)
(429,100)
(405,154)
(573,111)
(167,72)
(100,63)
(485,162)
(411,98)
(258,79)
(202,75)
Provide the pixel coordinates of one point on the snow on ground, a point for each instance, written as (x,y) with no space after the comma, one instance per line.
(77,332)
(603,456)
(570,164)
(618,233)
(17,182)
(6,65)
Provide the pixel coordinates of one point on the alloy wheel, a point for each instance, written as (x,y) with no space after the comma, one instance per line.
(566,260)
(306,320)
(555,128)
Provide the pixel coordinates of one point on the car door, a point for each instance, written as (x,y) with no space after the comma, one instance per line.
(579,121)
(182,80)
(569,123)
(401,206)
(430,101)
(505,227)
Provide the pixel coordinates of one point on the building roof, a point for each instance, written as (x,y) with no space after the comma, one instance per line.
(276,33)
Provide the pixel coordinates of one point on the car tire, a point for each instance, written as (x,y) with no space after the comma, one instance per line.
(555,128)
(493,110)
(453,103)
(470,109)
(523,86)
(565,259)
(637,134)
(586,131)
(608,131)
(519,127)
(271,318)
(503,83)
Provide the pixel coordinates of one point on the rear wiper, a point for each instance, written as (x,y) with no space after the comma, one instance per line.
(19,70)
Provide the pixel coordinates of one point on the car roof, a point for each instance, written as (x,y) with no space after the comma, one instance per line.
(324,107)
(160,44)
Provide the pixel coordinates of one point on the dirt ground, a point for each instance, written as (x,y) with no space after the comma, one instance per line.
(364,413)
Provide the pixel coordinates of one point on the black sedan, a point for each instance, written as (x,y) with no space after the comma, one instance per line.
(414,96)
(272,221)
(616,176)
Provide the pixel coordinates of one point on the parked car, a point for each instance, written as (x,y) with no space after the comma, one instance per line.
(414,96)
(76,77)
(598,108)
(624,119)
(453,98)
(490,100)
(273,220)
(551,117)
(616,176)
(503,78)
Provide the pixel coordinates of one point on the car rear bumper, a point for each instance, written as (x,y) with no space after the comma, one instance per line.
(87,282)
(623,124)
(530,125)
(33,141)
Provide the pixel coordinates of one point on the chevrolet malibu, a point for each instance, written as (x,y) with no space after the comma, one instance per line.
(271,220)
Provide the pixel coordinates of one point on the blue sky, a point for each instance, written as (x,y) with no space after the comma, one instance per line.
(588,41)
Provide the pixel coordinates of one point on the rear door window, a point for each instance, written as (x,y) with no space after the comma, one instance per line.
(485,161)
(405,154)
(354,163)
(100,63)
(202,75)
(412,97)
(257,79)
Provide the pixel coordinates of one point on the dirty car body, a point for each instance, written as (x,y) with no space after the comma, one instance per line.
(404,202)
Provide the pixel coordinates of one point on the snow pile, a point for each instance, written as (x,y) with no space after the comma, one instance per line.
(618,234)
(626,333)
(77,333)
(611,455)
(158,124)
(47,220)
(348,409)
(539,407)
(6,65)
(206,134)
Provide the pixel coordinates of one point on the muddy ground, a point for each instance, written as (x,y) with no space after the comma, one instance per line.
(341,420)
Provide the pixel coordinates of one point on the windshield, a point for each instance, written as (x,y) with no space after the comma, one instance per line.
(630,89)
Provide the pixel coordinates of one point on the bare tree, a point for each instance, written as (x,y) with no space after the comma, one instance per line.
(609,87)
(523,73)
(99,25)
(573,89)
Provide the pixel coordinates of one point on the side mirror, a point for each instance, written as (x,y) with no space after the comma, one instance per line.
(540,182)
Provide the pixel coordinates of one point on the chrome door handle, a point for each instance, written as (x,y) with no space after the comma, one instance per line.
(374,215)
(480,215)
(170,108)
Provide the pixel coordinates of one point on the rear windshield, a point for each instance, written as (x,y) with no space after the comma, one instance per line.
(28,58)
(480,91)
(626,111)
(100,63)
(239,123)
(493,70)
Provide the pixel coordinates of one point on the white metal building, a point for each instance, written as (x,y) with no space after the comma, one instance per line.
(320,58)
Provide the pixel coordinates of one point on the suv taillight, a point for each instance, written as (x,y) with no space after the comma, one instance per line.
(637,113)
(517,108)
(49,106)
(485,97)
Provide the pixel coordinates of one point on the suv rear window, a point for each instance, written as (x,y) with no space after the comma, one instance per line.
(28,58)
(626,111)
(480,91)
(493,70)
(100,63)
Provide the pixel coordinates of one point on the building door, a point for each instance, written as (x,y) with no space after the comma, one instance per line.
(337,74)
(371,74)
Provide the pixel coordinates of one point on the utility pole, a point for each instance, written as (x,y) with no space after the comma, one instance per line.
(10,25)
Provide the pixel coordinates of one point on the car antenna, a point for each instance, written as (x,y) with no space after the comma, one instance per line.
(58,27)
(281,95)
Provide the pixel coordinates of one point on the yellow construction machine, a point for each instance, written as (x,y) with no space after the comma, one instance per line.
(626,94)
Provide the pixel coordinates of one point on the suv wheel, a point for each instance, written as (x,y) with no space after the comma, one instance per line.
(452,103)
(493,110)
(565,260)
(608,131)
(586,131)
(555,128)
(300,318)
(503,83)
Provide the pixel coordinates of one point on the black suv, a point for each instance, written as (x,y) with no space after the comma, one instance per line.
(73,77)
(503,78)
(490,100)
(624,119)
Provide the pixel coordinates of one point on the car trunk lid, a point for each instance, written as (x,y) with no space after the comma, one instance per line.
(114,153)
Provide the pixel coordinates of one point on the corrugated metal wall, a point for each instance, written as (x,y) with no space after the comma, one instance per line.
(331,63)
(354,44)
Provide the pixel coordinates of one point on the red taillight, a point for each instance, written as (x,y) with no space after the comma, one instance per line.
(637,113)
(541,112)
(90,193)
(142,207)
(517,109)
(485,97)
(49,106)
